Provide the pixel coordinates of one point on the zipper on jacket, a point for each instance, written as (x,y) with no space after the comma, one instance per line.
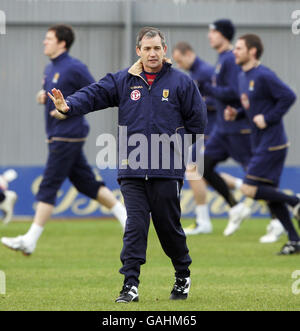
(146,178)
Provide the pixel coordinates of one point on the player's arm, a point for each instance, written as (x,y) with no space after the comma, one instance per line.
(82,76)
(94,97)
(282,95)
(233,114)
(229,90)
(41,97)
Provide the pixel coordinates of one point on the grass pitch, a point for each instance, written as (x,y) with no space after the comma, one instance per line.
(75,267)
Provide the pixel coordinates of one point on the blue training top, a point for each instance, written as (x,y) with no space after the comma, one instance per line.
(224,88)
(262,92)
(68,75)
(201,72)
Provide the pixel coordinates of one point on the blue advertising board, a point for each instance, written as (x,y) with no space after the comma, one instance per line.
(70,203)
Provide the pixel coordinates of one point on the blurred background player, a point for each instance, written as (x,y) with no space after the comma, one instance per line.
(265,100)
(66,138)
(226,140)
(7,198)
(201,72)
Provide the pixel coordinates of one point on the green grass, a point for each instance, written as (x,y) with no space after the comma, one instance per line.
(75,267)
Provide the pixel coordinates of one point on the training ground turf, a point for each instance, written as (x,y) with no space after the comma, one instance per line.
(75,267)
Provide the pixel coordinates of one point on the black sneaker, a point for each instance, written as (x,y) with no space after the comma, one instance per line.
(129,293)
(181,289)
(291,247)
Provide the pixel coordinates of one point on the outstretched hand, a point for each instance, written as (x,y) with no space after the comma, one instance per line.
(58,100)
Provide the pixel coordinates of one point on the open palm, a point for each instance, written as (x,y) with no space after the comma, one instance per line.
(58,100)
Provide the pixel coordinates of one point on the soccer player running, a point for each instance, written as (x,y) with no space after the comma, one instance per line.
(201,72)
(154,99)
(228,139)
(265,100)
(66,138)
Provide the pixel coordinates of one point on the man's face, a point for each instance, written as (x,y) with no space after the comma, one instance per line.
(151,53)
(52,45)
(241,52)
(216,39)
(183,61)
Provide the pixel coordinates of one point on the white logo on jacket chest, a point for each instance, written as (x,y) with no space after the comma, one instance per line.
(135,95)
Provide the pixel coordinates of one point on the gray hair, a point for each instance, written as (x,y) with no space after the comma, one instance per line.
(150,32)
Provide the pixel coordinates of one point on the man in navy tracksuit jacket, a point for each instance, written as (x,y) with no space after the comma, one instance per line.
(228,139)
(265,100)
(153,99)
(201,72)
(66,138)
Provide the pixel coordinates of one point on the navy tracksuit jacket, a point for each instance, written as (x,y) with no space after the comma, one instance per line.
(262,92)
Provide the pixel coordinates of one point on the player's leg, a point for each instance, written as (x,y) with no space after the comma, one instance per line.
(202,224)
(83,178)
(199,188)
(135,238)
(274,229)
(216,181)
(2,196)
(166,221)
(266,168)
(234,183)
(263,176)
(280,210)
(274,195)
(238,210)
(60,159)
(218,149)
(107,199)
(239,148)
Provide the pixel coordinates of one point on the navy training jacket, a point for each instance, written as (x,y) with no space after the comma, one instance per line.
(172,106)
(69,75)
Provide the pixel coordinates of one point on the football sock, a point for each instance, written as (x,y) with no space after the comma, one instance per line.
(202,214)
(119,211)
(272,214)
(216,181)
(282,213)
(2,197)
(34,233)
(269,193)
(238,183)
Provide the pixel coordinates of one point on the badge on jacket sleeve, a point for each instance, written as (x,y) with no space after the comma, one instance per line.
(165,95)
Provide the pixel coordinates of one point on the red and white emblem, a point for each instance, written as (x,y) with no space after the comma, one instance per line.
(135,95)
